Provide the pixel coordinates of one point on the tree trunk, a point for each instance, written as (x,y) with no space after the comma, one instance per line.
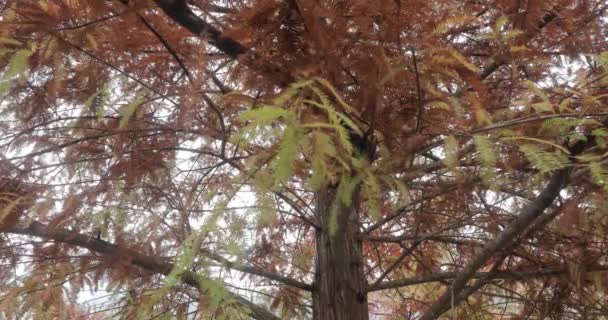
(339,292)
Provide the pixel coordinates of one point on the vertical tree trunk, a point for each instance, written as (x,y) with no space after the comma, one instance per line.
(339,280)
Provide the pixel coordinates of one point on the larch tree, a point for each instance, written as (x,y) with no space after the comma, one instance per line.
(304,159)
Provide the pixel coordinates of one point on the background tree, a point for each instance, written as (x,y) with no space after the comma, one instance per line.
(304,159)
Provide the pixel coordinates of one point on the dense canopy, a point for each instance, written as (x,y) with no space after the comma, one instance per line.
(304,159)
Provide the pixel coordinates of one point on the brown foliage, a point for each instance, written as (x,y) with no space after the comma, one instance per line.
(119,125)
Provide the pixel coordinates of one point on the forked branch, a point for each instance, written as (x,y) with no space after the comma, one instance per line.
(516,228)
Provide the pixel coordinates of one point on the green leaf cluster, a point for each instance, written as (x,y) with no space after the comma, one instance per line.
(127,111)
(306,132)
(599,174)
(302,122)
(451,152)
(543,160)
(18,64)
(487,156)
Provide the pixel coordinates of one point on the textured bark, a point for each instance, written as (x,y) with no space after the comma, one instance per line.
(339,292)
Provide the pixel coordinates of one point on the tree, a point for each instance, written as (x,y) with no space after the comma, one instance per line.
(304,159)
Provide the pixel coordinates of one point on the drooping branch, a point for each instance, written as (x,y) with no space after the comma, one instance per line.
(149,263)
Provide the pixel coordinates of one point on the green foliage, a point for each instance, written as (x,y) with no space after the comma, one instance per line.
(267,211)
(537,140)
(4,40)
(323,151)
(265,115)
(485,147)
(506,134)
(487,156)
(18,63)
(403,192)
(451,153)
(543,106)
(184,261)
(17,67)
(304,127)
(463,61)
(287,124)
(543,160)
(282,164)
(600,135)
(220,303)
(500,23)
(127,111)
(598,174)
(567,127)
(563,125)
(217,295)
(343,197)
(371,192)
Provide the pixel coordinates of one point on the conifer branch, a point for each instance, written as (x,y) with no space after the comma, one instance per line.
(149,263)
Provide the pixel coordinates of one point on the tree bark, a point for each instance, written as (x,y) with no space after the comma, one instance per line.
(339,288)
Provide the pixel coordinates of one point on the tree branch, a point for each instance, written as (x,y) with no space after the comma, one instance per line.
(179,11)
(152,264)
(255,271)
(517,275)
(519,225)
(531,212)
(423,237)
